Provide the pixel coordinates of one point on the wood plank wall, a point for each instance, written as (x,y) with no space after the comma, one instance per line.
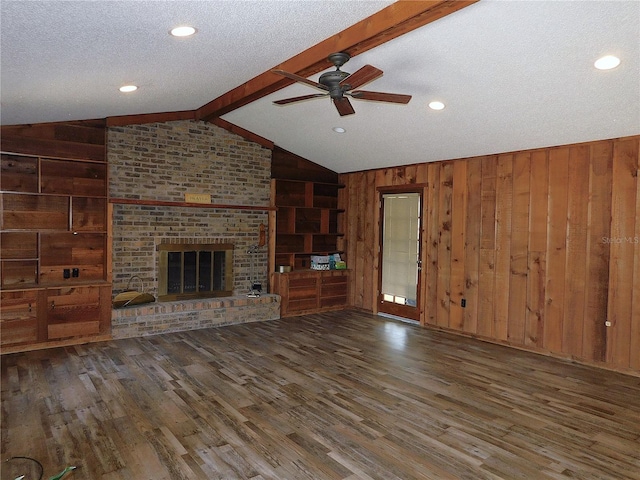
(544,245)
(83,140)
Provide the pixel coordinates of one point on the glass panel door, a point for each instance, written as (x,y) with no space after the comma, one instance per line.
(400,254)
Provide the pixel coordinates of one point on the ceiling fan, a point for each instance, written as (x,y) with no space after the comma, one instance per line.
(339,85)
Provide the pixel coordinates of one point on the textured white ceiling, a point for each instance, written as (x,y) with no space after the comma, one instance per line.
(513,74)
(65,60)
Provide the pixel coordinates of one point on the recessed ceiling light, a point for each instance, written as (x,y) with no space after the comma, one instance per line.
(128,88)
(185,31)
(339,129)
(607,62)
(436,105)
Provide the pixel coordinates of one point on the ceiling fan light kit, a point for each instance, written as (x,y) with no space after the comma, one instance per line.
(339,85)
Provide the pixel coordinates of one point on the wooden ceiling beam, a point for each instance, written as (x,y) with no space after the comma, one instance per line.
(142,118)
(389,23)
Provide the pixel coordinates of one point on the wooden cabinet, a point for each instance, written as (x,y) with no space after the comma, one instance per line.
(310,291)
(77,311)
(41,315)
(54,272)
(19,317)
(306,221)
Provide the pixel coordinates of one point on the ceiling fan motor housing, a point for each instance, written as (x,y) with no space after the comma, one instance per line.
(332,81)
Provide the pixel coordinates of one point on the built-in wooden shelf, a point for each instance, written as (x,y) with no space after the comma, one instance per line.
(55,261)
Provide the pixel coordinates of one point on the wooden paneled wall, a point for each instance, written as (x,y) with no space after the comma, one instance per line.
(544,246)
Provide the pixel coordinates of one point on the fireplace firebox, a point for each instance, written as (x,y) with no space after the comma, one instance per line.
(195,271)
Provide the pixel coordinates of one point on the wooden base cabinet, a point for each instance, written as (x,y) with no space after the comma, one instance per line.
(54,315)
(77,311)
(311,291)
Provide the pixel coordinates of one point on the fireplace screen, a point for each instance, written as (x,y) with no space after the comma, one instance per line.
(195,271)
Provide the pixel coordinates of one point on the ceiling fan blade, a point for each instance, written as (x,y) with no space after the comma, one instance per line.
(344,106)
(364,75)
(298,78)
(299,99)
(381,97)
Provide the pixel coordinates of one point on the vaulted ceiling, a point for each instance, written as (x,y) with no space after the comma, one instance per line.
(512,74)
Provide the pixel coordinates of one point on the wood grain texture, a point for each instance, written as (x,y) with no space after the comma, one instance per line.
(542,244)
(443,292)
(557,248)
(536,263)
(487,262)
(458,247)
(430,268)
(519,248)
(624,235)
(504,213)
(472,244)
(599,225)
(341,395)
(83,140)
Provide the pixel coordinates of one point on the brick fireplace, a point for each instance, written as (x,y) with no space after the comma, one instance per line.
(158,164)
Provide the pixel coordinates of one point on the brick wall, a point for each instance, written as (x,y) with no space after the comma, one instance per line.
(163,161)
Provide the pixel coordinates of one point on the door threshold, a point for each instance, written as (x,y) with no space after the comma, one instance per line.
(401,319)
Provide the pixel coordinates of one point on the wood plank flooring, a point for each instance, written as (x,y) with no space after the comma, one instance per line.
(342,395)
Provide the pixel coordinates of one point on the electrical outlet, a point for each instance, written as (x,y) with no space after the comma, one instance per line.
(75,273)
(463,302)
(66,273)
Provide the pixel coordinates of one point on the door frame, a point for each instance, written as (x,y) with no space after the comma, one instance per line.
(413,313)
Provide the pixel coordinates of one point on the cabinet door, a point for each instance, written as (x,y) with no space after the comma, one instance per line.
(333,290)
(18,317)
(303,293)
(73,312)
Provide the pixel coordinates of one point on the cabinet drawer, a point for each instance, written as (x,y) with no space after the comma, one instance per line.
(18,318)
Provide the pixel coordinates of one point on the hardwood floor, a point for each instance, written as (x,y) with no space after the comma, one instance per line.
(342,395)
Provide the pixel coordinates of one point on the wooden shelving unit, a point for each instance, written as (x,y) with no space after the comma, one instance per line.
(54,276)
(306,221)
